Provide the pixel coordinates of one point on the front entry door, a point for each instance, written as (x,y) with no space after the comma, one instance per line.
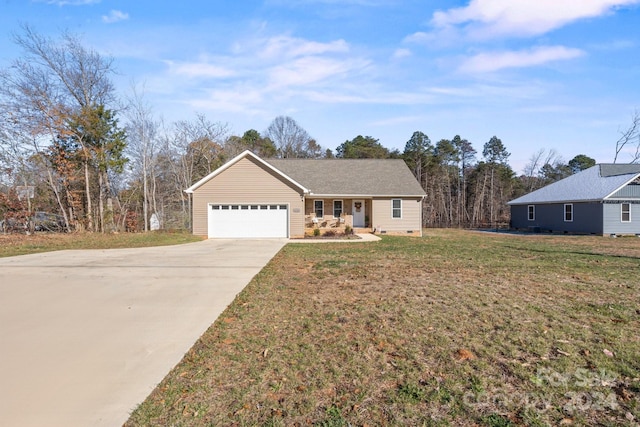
(358,213)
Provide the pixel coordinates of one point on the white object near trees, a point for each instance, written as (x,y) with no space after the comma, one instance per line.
(154,222)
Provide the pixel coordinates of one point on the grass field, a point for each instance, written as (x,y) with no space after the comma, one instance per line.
(455,328)
(21,244)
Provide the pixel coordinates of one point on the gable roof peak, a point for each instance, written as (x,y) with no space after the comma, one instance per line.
(244,154)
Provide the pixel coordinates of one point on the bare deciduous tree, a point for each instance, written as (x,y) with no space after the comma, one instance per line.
(143,149)
(291,140)
(630,140)
(193,149)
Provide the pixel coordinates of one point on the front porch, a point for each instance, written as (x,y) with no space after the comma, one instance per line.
(337,216)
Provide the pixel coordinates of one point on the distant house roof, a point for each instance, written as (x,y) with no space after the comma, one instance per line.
(351,177)
(593,184)
(614,169)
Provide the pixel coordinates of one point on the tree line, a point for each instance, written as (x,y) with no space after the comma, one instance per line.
(70,146)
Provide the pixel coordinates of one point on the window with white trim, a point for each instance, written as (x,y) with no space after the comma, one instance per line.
(318,207)
(568,212)
(625,212)
(396,208)
(531,212)
(337,208)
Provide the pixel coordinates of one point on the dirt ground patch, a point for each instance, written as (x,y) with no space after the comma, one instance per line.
(455,328)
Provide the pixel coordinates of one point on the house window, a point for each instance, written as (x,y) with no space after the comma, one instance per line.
(532,212)
(318,207)
(396,208)
(568,212)
(625,212)
(337,208)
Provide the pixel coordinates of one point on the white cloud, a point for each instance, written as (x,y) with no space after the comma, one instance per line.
(115,16)
(418,37)
(487,18)
(494,61)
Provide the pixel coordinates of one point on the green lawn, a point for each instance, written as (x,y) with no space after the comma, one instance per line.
(20,244)
(455,328)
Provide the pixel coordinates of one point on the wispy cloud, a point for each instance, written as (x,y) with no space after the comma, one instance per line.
(258,72)
(494,61)
(491,18)
(199,70)
(369,3)
(115,16)
(313,70)
(279,47)
(615,45)
(70,2)
(402,53)
(248,101)
(378,96)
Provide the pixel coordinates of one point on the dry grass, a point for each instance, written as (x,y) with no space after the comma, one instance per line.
(21,244)
(456,328)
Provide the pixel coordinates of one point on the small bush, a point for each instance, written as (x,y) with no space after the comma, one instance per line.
(495,420)
(316,232)
(330,233)
(348,230)
(411,392)
(333,418)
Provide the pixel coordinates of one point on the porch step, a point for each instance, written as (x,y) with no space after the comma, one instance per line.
(362,230)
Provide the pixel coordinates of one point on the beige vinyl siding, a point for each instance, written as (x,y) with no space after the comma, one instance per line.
(328,207)
(410,222)
(248,182)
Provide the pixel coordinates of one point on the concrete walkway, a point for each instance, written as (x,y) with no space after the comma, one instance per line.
(85,336)
(365,237)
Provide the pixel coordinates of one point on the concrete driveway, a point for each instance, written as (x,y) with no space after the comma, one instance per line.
(86,335)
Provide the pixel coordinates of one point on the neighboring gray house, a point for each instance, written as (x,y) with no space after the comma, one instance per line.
(604,199)
(253,197)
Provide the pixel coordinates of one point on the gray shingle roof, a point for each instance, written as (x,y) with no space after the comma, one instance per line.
(362,177)
(613,169)
(595,183)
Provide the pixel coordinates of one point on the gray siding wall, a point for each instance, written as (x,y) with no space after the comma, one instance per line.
(629,190)
(613,219)
(587,218)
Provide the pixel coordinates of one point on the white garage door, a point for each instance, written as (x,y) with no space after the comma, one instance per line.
(248,221)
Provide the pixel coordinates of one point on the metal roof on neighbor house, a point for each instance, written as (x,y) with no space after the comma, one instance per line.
(593,184)
(614,169)
(361,177)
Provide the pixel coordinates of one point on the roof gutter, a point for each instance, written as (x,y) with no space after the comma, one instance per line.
(364,196)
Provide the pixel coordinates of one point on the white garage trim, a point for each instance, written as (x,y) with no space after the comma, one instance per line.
(248,220)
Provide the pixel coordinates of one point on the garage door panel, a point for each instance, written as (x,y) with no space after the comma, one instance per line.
(248,221)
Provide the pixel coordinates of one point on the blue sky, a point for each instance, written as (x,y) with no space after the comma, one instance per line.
(544,74)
